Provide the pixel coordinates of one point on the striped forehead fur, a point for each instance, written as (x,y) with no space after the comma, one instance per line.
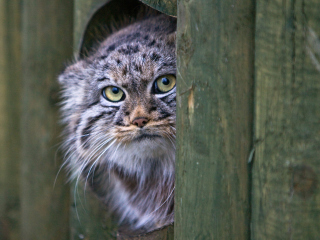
(133,176)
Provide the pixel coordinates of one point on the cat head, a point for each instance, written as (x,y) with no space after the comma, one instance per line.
(119,103)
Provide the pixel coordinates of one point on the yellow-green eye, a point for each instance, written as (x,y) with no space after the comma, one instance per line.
(164,83)
(113,94)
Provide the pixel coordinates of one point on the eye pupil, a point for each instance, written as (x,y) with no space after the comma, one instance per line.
(113,94)
(165,81)
(115,90)
(164,84)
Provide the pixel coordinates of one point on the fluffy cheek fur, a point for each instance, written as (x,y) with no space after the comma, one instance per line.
(136,157)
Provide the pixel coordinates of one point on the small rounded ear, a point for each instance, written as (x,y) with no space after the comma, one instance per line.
(73,74)
(171,38)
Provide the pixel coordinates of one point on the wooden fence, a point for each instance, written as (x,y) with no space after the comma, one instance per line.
(248,119)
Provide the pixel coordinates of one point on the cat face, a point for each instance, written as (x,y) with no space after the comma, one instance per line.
(119,104)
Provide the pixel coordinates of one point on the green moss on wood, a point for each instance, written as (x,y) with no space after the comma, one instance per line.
(214,119)
(168,7)
(10,95)
(46,45)
(286,168)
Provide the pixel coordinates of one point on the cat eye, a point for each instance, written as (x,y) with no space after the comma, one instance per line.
(113,94)
(164,83)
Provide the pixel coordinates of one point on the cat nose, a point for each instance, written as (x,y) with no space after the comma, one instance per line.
(140,122)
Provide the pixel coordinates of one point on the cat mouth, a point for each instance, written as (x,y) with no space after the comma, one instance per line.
(146,136)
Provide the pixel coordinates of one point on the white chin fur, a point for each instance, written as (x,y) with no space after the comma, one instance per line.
(134,156)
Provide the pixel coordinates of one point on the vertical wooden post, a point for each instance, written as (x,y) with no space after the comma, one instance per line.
(10,92)
(47,44)
(168,7)
(286,195)
(214,118)
(83,12)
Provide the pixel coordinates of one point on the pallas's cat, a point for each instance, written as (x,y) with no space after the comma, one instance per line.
(119,108)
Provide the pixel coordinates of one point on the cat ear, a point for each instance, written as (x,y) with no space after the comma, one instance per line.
(73,74)
(171,38)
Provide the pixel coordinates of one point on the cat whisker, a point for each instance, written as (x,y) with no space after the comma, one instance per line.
(82,167)
(55,179)
(163,202)
(168,136)
(119,144)
(98,159)
(96,162)
(63,145)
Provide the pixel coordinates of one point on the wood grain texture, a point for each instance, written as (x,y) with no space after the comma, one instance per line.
(102,18)
(286,168)
(10,93)
(83,12)
(214,118)
(46,45)
(168,7)
(165,233)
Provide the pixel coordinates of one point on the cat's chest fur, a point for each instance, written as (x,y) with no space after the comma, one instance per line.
(119,110)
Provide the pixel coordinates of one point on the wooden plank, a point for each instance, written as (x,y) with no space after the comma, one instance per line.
(165,233)
(46,45)
(214,118)
(83,12)
(94,20)
(286,169)
(168,7)
(10,92)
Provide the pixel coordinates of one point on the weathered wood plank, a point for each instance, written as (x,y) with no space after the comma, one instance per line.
(95,22)
(168,7)
(10,93)
(165,233)
(214,112)
(83,12)
(286,195)
(47,44)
